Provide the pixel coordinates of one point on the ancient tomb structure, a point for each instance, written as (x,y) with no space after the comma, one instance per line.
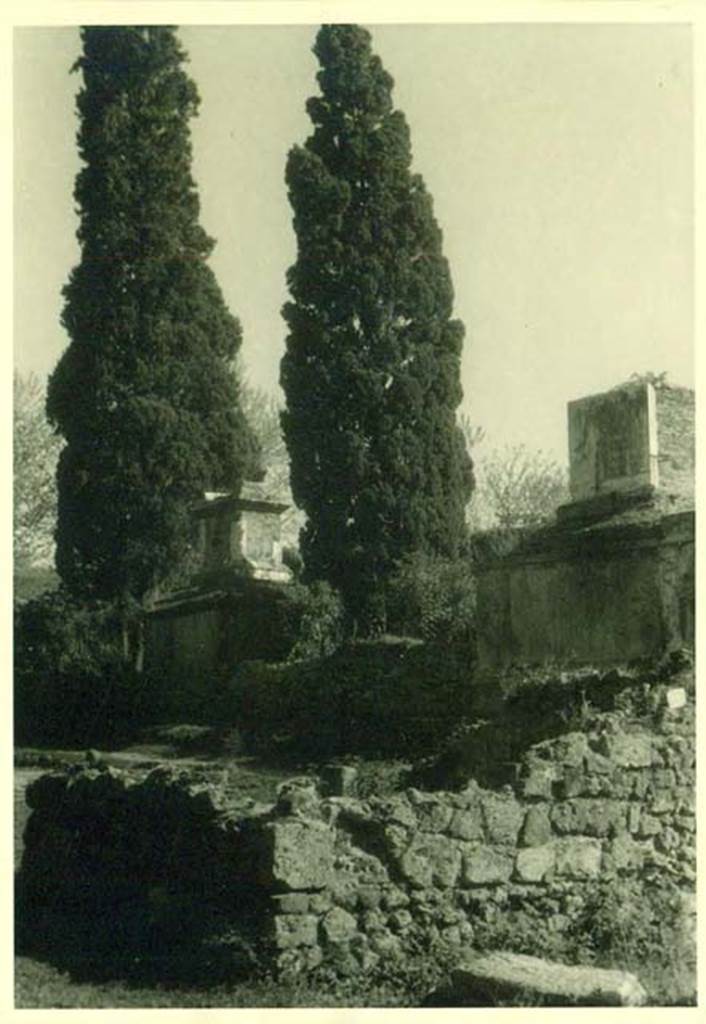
(612,578)
(237,561)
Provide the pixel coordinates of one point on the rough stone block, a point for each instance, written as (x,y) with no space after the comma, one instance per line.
(301,853)
(613,441)
(319,902)
(536,829)
(598,764)
(338,925)
(623,854)
(573,782)
(466,824)
(433,815)
(633,819)
(292,930)
(538,781)
(486,866)
(291,903)
(589,816)
(649,826)
(497,977)
(577,857)
(534,863)
(400,920)
(628,750)
(369,896)
(431,860)
(502,816)
(569,750)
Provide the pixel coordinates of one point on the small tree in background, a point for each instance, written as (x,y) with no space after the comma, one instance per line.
(35,453)
(371,372)
(145,394)
(517,487)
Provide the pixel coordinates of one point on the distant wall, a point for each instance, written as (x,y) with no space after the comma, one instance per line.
(676,439)
(192,642)
(604,593)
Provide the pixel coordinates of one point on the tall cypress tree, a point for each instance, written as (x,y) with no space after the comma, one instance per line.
(145,394)
(372,366)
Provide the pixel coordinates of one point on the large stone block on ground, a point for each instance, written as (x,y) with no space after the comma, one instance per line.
(501,977)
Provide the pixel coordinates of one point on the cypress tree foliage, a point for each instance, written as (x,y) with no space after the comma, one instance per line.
(145,394)
(371,371)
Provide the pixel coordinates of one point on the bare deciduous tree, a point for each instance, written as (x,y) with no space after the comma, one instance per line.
(35,451)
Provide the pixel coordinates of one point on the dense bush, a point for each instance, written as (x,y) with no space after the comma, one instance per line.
(71,682)
(321,621)
(433,598)
(384,697)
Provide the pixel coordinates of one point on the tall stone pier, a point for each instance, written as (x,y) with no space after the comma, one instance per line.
(611,579)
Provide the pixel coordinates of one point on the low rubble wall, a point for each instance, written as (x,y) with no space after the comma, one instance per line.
(336,880)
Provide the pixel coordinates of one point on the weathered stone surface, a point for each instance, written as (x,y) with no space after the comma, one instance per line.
(431,860)
(599,764)
(301,853)
(433,815)
(291,903)
(536,828)
(338,925)
(628,750)
(535,863)
(486,866)
(538,781)
(500,976)
(319,902)
(369,896)
(577,857)
(623,854)
(295,930)
(298,796)
(569,749)
(589,816)
(400,920)
(573,782)
(396,810)
(466,824)
(339,779)
(502,816)
(649,826)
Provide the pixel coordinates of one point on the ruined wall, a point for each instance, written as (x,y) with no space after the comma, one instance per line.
(349,883)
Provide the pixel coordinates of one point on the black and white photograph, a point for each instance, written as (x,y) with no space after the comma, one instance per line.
(353,487)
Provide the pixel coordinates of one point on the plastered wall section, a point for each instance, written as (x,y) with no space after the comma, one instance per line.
(593,596)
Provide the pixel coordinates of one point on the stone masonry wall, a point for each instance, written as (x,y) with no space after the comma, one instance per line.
(346,882)
(676,439)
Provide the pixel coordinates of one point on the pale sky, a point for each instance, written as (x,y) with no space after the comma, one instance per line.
(560,162)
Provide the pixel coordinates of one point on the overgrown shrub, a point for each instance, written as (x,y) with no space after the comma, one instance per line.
(72,684)
(374,698)
(321,627)
(433,598)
